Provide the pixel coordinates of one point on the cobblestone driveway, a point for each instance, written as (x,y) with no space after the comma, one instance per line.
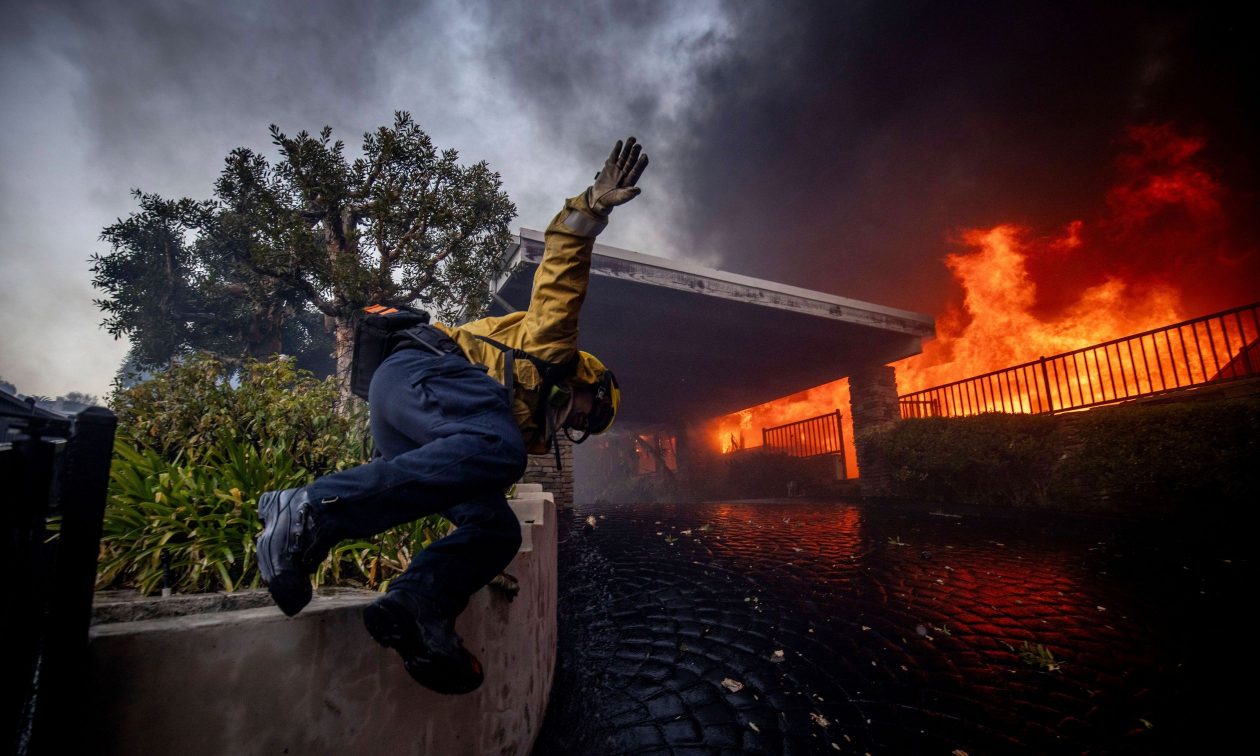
(794,628)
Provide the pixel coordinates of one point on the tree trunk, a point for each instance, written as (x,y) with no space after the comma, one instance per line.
(343,352)
(339,242)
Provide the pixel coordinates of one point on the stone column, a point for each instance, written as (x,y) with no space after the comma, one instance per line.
(542,469)
(873,398)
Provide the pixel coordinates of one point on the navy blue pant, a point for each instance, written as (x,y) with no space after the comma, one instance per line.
(447,443)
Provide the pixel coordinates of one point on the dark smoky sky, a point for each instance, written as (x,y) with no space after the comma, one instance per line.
(840,146)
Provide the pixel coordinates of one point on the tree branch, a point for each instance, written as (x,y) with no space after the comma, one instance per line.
(412,231)
(321,304)
(377,166)
(463,234)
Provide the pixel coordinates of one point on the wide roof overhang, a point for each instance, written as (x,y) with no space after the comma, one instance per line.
(688,343)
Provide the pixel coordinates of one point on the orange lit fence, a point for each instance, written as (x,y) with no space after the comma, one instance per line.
(1212,349)
(807,438)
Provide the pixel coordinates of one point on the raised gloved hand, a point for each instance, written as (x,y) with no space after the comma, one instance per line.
(615,184)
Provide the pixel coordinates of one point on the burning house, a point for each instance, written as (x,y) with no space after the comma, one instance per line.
(717,363)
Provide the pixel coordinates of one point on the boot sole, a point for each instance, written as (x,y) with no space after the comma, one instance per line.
(387,625)
(392,627)
(291,592)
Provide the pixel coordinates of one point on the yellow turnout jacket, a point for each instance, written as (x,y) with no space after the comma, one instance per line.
(549,328)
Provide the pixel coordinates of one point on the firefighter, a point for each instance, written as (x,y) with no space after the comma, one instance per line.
(453,414)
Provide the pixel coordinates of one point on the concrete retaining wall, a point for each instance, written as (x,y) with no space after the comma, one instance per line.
(251,681)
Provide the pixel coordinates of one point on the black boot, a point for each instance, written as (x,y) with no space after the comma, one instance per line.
(289,548)
(425,638)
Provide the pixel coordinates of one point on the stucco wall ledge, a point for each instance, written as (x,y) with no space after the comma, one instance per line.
(252,681)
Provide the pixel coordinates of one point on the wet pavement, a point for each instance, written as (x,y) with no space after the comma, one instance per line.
(802,628)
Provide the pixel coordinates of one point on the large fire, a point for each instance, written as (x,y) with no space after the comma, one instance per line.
(742,430)
(1163,230)
(997,326)
(1161,241)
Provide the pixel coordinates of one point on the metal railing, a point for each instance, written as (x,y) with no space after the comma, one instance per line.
(811,437)
(1224,346)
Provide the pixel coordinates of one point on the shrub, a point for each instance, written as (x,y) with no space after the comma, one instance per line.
(202,402)
(1165,455)
(988,459)
(194,449)
(1152,458)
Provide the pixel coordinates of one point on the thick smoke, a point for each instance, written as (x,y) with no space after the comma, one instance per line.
(844,146)
(178,84)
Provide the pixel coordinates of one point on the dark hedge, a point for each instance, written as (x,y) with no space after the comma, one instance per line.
(1154,458)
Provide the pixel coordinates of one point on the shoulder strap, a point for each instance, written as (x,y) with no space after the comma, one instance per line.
(553,373)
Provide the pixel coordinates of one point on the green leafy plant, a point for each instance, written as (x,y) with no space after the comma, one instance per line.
(203,401)
(195,448)
(198,513)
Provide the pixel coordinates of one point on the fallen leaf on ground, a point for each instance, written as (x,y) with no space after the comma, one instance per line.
(819,719)
(753,726)
(733,686)
(777,656)
(591,521)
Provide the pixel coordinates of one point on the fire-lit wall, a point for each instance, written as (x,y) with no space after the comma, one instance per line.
(742,430)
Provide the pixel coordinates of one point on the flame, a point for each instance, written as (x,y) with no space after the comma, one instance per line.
(997,326)
(1160,245)
(742,430)
(1161,240)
